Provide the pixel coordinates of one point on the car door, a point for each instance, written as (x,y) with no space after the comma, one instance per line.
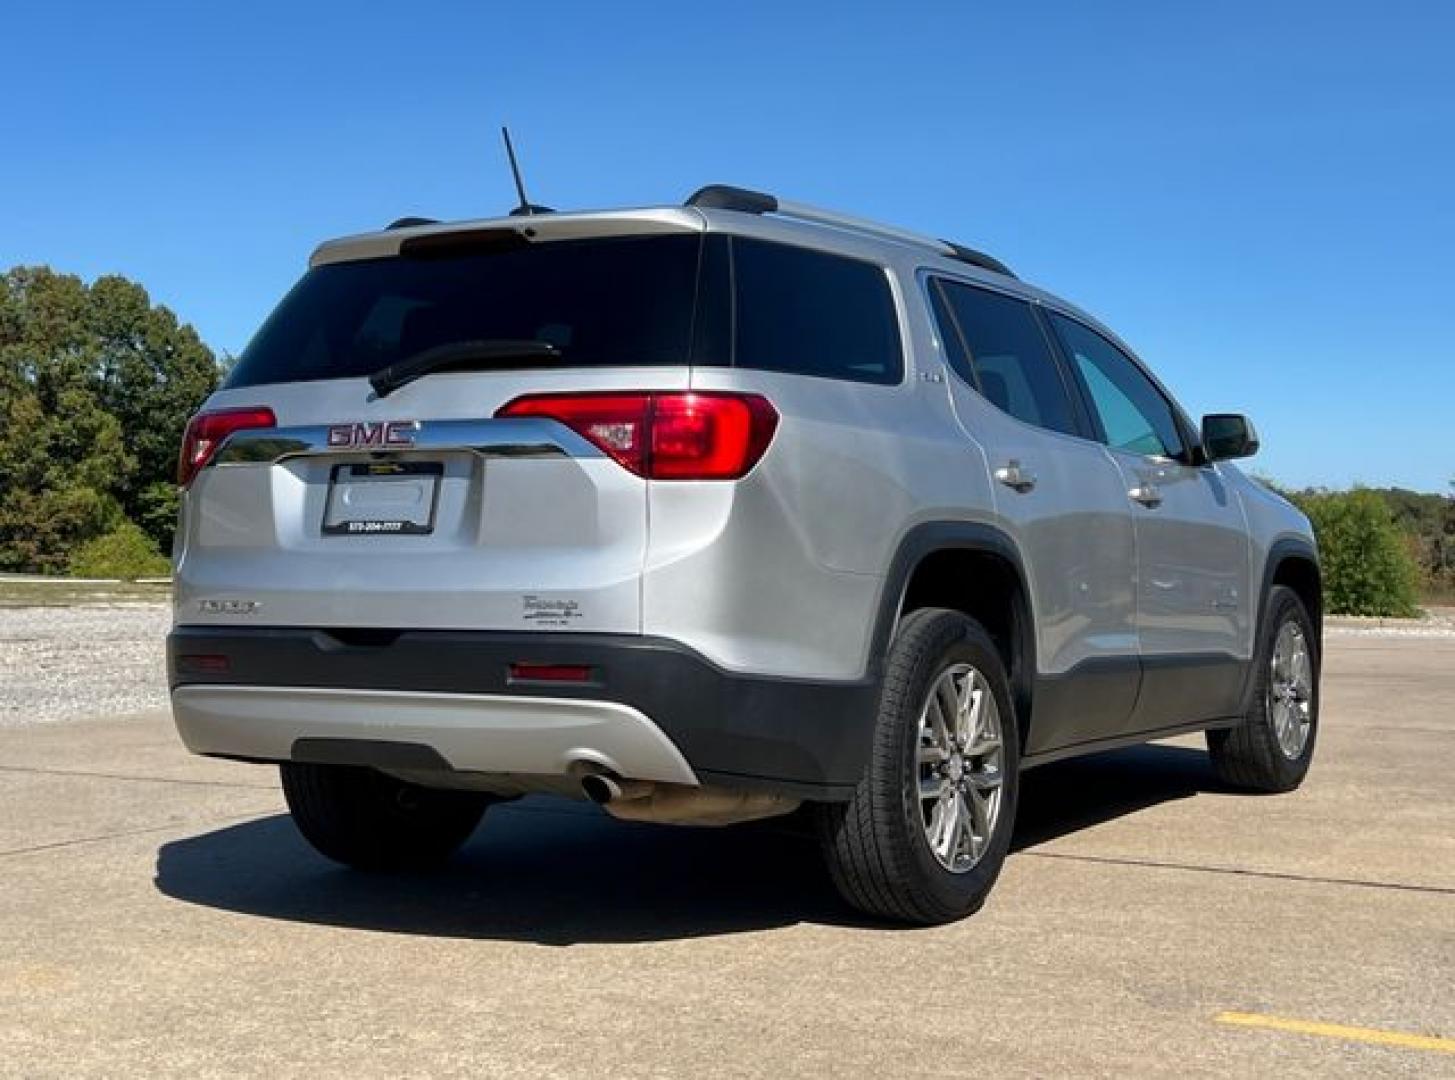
(1193,602)
(1062,500)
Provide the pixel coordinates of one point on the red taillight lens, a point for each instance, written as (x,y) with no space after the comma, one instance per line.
(616,423)
(709,436)
(665,436)
(207,430)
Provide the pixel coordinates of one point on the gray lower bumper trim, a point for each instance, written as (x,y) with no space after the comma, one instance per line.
(490,733)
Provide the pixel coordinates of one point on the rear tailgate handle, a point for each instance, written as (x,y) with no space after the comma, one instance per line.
(513,438)
(1016,476)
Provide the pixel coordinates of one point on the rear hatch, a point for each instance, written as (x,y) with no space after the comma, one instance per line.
(321,499)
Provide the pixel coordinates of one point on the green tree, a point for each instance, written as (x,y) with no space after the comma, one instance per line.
(95,387)
(151,374)
(1366,561)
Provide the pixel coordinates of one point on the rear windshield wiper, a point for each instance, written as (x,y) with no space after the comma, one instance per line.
(457,355)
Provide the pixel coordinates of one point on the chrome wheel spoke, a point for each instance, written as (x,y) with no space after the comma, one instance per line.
(948,834)
(982,815)
(985,779)
(965,839)
(970,708)
(930,754)
(985,744)
(946,708)
(933,786)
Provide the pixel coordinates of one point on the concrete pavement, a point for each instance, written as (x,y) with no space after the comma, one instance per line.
(159,915)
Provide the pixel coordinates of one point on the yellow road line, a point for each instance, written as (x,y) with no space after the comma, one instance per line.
(1339,1031)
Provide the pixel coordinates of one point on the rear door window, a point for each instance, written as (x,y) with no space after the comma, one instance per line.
(996,344)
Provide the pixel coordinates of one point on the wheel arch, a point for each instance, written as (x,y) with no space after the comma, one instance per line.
(973,568)
(1292,562)
(1295,563)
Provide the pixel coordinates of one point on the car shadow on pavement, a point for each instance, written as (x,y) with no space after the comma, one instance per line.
(1069,796)
(542,870)
(554,872)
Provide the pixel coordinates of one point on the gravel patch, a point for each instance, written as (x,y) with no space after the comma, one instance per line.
(69,663)
(1439,623)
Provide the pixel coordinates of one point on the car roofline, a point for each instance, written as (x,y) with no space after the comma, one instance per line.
(666,220)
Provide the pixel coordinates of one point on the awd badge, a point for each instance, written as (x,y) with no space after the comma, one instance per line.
(228,607)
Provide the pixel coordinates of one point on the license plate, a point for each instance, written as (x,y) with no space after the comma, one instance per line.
(386,498)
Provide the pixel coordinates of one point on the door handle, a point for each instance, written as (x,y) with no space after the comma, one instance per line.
(1147,495)
(1016,477)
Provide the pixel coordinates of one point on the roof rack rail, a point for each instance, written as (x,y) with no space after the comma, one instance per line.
(410,222)
(978,258)
(727,197)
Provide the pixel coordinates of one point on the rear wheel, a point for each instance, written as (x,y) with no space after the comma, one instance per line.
(1273,746)
(368,820)
(925,834)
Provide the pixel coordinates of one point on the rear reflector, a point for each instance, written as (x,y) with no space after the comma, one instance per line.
(665,436)
(578,673)
(204,663)
(206,432)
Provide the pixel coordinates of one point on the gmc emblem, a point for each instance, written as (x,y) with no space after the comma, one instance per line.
(385,433)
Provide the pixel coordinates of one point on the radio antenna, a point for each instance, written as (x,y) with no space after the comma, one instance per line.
(526,207)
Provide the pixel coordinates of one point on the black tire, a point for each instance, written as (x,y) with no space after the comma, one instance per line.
(370,821)
(875,844)
(1250,756)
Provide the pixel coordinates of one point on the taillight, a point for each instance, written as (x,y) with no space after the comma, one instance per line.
(206,432)
(665,436)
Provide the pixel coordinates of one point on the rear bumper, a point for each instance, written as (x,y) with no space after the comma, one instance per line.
(467,732)
(650,705)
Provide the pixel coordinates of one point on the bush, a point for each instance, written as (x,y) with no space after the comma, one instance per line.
(125,552)
(40,529)
(1367,567)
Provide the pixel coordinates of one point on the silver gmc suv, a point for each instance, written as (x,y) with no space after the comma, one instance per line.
(708,512)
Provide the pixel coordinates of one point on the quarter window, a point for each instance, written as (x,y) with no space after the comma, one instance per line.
(811,313)
(1133,413)
(996,345)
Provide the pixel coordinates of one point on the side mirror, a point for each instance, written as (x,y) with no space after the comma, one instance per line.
(1228,435)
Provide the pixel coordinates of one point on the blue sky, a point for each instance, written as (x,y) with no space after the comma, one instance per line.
(1260,197)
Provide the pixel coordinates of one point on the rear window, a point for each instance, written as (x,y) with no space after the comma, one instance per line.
(616,302)
(623,301)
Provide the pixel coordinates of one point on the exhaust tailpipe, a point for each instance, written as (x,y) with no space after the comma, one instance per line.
(605,789)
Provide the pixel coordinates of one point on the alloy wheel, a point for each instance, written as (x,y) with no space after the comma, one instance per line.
(960,767)
(1290,690)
